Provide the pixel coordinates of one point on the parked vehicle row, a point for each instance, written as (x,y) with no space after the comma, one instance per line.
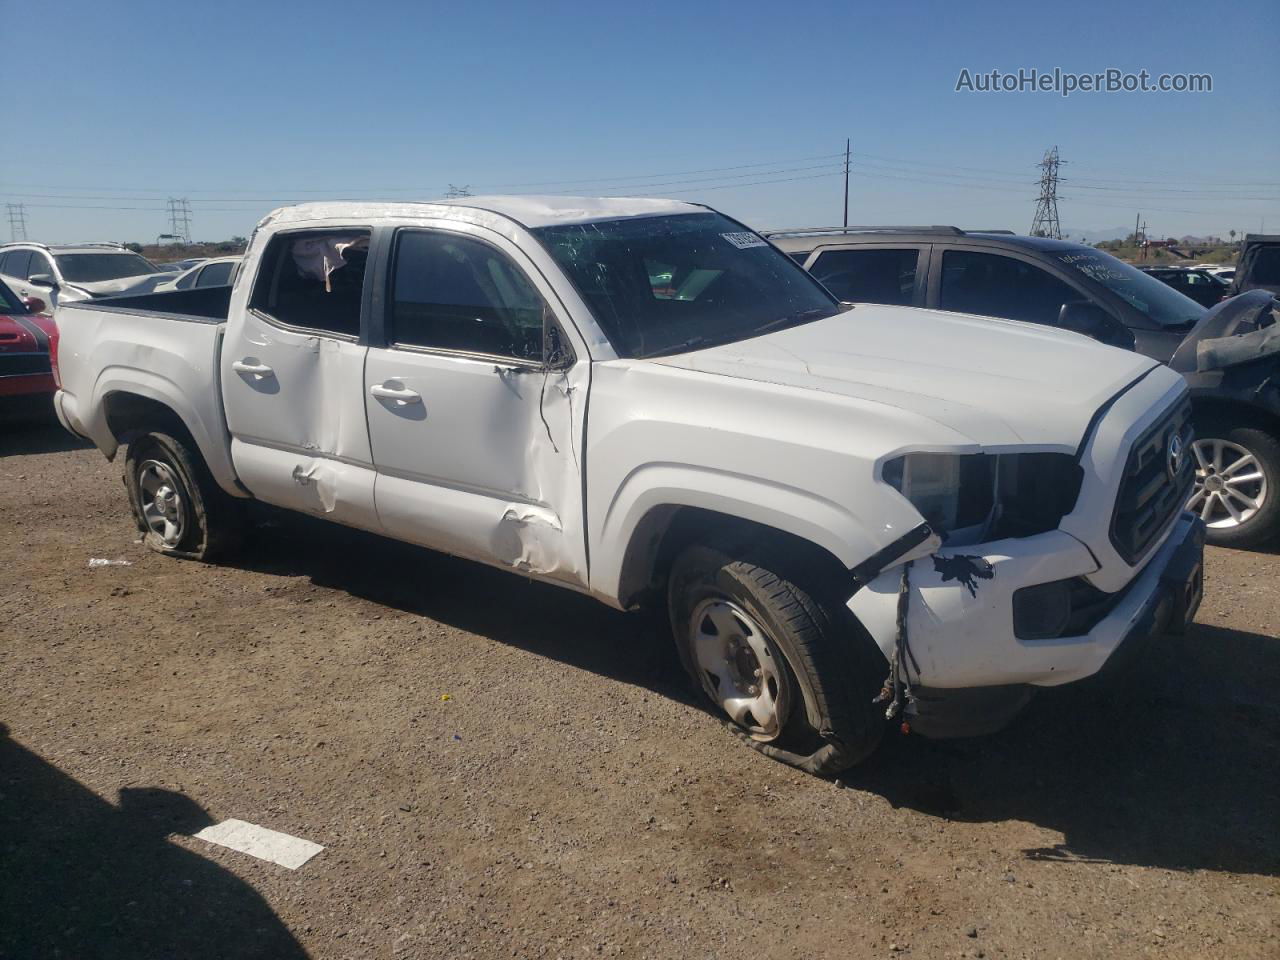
(1203,286)
(210,272)
(68,272)
(830,500)
(1235,395)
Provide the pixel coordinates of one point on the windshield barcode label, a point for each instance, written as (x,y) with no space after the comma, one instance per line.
(743,240)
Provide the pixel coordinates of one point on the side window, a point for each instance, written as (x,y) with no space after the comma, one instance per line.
(450,292)
(40,264)
(314,280)
(869,276)
(186,281)
(215,275)
(995,286)
(15,264)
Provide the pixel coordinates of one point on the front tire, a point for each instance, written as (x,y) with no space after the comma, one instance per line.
(793,674)
(177,504)
(1237,491)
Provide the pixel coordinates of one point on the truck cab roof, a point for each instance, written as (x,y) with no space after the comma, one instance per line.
(528,211)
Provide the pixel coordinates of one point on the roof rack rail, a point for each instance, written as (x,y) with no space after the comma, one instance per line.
(812,231)
(46,246)
(1003,233)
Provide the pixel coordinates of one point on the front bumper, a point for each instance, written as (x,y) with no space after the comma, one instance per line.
(960,609)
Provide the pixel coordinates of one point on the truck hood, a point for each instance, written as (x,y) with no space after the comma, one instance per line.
(997,382)
(112,288)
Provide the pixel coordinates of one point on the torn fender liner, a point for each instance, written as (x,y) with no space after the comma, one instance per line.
(966,569)
(895,552)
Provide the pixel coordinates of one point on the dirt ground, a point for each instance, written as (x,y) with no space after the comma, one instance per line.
(502,769)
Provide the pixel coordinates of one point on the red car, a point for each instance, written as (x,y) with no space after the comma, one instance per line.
(26,340)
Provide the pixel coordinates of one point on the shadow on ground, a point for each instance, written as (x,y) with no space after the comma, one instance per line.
(1171,764)
(25,430)
(82,878)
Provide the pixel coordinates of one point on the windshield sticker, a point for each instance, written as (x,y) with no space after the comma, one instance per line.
(1093,266)
(744,240)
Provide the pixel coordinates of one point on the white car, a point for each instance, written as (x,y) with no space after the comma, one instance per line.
(646,402)
(67,272)
(215,272)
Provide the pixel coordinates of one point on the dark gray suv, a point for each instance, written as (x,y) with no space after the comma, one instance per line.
(1235,391)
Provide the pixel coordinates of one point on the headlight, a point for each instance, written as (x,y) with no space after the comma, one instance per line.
(970,498)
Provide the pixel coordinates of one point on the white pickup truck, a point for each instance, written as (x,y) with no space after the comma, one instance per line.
(643,400)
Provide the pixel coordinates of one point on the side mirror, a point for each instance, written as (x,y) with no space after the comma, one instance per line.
(43,280)
(35,304)
(1085,316)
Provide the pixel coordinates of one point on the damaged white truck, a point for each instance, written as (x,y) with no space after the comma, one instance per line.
(850,512)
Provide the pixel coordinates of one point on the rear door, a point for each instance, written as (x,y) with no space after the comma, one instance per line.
(292,375)
(476,401)
(892,273)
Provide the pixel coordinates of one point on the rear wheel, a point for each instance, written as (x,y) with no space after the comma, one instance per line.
(178,506)
(1237,491)
(791,672)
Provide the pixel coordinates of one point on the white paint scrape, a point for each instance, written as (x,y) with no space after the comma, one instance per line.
(291,852)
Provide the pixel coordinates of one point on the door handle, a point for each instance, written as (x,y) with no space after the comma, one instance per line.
(400,394)
(257,369)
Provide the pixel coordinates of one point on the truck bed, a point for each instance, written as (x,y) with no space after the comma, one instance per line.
(202,303)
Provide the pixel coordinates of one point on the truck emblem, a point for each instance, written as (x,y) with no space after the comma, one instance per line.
(1174,456)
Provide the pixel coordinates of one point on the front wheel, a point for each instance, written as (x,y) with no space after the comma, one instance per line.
(1237,487)
(177,504)
(793,674)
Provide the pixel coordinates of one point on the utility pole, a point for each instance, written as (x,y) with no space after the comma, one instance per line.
(180,218)
(846,181)
(1045,223)
(1136,218)
(17,220)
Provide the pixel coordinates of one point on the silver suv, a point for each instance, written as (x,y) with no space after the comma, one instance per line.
(68,272)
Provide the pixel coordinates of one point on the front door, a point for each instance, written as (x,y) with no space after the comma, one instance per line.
(475,405)
(293,377)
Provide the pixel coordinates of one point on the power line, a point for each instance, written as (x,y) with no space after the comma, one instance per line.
(1045,223)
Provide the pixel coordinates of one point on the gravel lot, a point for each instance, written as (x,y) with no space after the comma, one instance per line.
(502,769)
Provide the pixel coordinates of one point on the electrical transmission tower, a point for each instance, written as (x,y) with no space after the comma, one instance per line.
(17,221)
(180,218)
(1045,223)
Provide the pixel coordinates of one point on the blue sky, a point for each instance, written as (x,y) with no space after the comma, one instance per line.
(242,106)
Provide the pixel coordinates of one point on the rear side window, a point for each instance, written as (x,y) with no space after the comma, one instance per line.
(995,286)
(215,275)
(450,292)
(1266,266)
(15,264)
(869,276)
(314,280)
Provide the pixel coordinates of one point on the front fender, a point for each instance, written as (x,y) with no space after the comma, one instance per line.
(833,527)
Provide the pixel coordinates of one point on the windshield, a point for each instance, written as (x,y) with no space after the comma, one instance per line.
(93,267)
(662,285)
(1159,301)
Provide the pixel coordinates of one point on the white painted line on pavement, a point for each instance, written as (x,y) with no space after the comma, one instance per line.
(272,845)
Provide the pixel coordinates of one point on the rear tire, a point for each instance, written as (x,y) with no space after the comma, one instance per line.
(179,507)
(793,675)
(1238,511)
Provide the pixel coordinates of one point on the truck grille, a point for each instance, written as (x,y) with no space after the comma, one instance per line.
(1152,493)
